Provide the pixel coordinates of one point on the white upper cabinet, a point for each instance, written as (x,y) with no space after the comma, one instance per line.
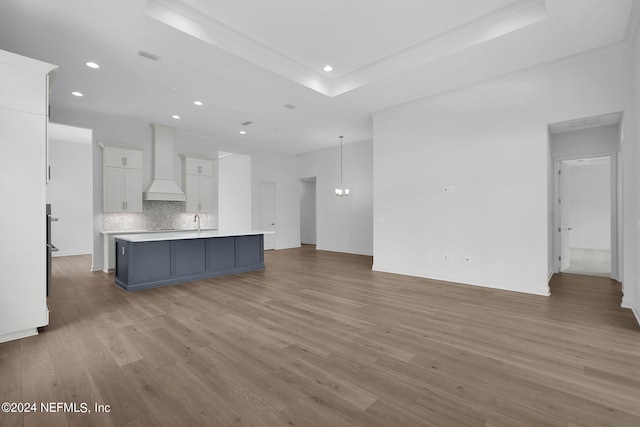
(198,183)
(113,184)
(133,190)
(206,194)
(197,165)
(122,178)
(120,157)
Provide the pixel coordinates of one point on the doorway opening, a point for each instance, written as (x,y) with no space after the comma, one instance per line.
(308,211)
(585,216)
(584,198)
(70,189)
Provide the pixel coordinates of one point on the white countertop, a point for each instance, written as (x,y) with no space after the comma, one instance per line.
(180,235)
(175,230)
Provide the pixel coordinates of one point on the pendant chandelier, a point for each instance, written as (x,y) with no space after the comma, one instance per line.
(341,192)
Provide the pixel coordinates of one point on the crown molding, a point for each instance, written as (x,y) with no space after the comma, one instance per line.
(502,21)
(539,68)
(499,22)
(182,17)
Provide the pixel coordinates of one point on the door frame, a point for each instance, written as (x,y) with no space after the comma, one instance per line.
(272,227)
(615,210)
(563,222)
(314,180)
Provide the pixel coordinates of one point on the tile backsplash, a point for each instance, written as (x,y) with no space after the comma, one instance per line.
(155,215)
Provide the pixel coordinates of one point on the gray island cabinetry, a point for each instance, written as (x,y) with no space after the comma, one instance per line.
(147,261)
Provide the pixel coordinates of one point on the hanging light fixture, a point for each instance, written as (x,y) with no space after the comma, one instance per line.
(341,192)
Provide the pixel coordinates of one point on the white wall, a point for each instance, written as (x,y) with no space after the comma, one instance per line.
(344,224)
(278,168)
(308,211)
(490,143)
(586,142)
(590,206)
(234,192)
(70,193)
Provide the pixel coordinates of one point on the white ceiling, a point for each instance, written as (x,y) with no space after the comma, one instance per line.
(246,59)
(324,28)
(452,38)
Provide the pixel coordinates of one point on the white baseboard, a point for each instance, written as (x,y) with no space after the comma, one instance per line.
(70,253)
(459,280)
(287,247)
(636,313)
(344,250)
(18,335)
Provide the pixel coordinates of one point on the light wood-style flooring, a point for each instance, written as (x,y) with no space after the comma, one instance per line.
(318,339)
(592,262)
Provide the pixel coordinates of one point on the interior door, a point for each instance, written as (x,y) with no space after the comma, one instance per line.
(267,220)
(565,227)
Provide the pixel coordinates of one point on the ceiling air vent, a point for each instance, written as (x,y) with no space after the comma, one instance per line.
(149,55)
(247,123)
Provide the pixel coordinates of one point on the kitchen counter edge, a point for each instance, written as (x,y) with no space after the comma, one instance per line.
(175,235)
(177,230)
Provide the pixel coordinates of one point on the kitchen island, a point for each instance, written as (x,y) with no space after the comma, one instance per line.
(151,260)
(109,244)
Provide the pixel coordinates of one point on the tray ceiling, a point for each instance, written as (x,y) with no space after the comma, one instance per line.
(261,61)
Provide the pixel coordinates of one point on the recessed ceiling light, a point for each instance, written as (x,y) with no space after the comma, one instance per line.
(289,106)
(198,103)
(242,132)
(92,64)
(77,94)
(328,68)
(175,116)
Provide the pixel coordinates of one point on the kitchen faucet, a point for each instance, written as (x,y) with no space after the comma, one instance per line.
(197,219)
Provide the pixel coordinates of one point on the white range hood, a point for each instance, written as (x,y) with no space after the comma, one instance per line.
(162,185)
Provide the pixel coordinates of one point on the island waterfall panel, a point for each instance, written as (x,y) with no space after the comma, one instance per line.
(149,264)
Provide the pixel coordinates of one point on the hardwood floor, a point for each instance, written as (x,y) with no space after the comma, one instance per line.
(318,339)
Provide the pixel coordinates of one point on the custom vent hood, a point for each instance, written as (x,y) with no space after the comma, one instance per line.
(162,186)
